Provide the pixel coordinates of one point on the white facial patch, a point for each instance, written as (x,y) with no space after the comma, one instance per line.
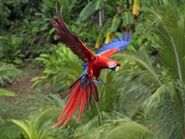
(111,64)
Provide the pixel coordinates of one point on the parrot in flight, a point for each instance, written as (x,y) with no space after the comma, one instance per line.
(85,87)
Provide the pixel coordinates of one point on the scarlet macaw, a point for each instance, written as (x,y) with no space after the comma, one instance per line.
(85,87)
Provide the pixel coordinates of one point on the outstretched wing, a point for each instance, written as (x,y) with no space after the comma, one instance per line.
(71,40)
(114,46)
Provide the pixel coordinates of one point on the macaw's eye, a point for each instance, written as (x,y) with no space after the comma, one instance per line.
(111,65)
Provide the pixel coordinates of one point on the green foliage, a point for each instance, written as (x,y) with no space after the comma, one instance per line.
(4,14)
(171,32)
(130,130)
(8,7)
(61,67)
(4,92)
(90,9)
(165,107)
(67,6)
(142,58)
(145,99)
(38,127)
(114,125)
(8,72)
(24,20)
(9,131)
(10,49)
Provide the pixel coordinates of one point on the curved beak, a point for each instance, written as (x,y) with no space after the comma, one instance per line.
(115,68)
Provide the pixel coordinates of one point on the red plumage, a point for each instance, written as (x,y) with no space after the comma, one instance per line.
(84,88)
(80,96)
(71,40)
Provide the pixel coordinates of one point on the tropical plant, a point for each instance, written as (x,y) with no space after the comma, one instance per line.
(114,125)
(164,97)
(8,72)
(122,18)
(166,105)
(38,127)
(170,33)
(8,130)
(145,99)
(10,49)
(61,67)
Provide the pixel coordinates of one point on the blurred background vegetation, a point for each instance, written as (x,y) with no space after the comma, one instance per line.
(144,100)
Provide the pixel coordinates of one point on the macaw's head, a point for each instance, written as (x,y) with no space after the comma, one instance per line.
(113,65)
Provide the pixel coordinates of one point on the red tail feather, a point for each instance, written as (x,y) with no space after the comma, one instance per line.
(80,96)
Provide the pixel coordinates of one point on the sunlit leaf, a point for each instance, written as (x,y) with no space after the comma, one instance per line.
(89,9)
(4,92)
(136,7)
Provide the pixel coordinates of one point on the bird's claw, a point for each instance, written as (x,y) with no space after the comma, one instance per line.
(99,81)
(96,82)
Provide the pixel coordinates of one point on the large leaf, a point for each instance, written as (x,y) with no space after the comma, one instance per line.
(130,130)
(90,8)
(4,92)
(23,125)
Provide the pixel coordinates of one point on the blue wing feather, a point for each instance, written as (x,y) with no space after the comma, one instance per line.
(119,43)
(84,65)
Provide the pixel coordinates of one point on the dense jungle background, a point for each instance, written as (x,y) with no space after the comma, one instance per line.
(144,100)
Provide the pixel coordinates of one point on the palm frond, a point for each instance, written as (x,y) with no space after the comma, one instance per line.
(166,108)
(39,126)
(142,58)
(115,125)
(171,33)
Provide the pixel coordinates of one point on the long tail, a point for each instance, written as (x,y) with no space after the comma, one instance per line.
(80,95)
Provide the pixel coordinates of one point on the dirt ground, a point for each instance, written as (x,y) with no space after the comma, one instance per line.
(24,83)
(27,98)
